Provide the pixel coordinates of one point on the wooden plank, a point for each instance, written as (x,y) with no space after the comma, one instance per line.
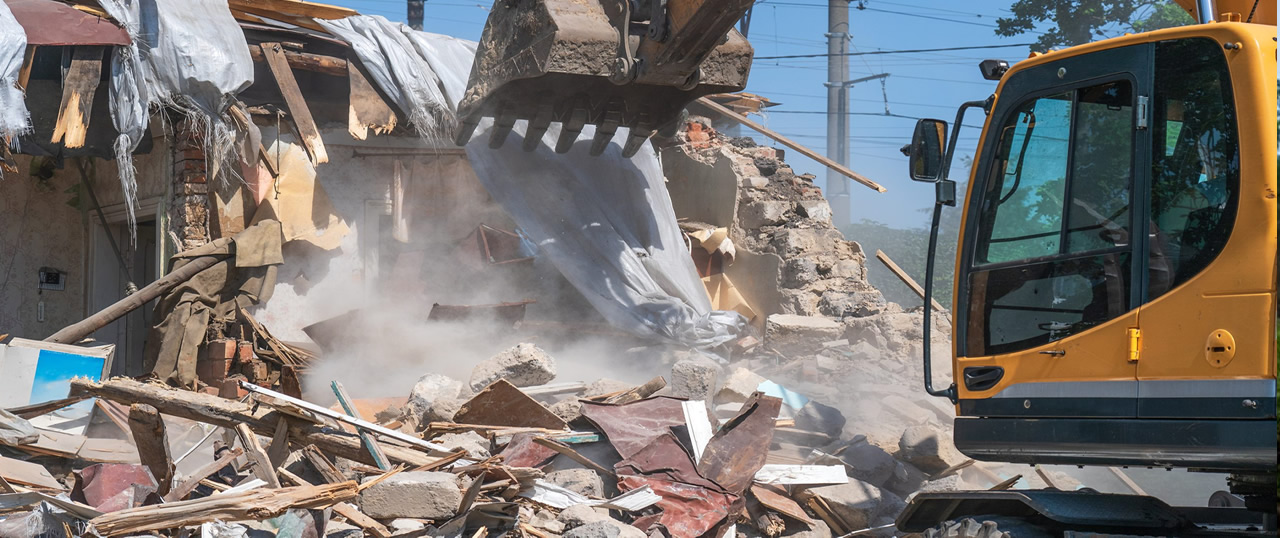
(255,504)
(262,467)
(726,112)
(24,75)
(293,99)
(78,88)
(116,413)
(638,393)
(370,443)
(366,109)
(292,8)
(153,446)
(44,408)
(322,464)
(1128,482)
(27,474)
(906,279)
(189,484)
(306,61)
(353,515)
(278,450)
(211,409)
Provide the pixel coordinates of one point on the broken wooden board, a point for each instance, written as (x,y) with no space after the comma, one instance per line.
(367,110)
(27,474)
(153,447)
(776,499)
(502,404)
(254,504)
(293,99)
(78,88)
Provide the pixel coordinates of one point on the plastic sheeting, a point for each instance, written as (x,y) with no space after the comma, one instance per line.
(605,222)
(187,54)
(14,118)
(417,70)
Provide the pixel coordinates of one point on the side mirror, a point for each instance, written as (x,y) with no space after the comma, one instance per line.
(926,150)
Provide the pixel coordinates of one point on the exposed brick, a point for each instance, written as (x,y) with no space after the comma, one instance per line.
(213,371)
(221,349)
(244,351)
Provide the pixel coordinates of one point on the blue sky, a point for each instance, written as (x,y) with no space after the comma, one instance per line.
(919,84)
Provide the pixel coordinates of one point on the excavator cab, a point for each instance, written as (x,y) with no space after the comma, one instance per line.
(1116,275)
(609,63)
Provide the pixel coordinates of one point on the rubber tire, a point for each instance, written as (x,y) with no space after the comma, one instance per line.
(987,527)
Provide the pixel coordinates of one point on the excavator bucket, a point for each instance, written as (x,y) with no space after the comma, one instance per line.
(559,61)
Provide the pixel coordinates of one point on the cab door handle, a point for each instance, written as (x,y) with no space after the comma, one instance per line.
(980,378)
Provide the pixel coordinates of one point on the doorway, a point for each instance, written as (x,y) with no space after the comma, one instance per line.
(113,276)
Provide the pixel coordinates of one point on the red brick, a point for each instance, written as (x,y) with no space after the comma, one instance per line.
(244,351)
(221,349)
(231,389)
(213,371)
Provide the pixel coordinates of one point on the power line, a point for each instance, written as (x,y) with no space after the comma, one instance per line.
(902,51)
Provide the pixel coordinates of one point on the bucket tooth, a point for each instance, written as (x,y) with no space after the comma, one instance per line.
(465,129)
(639,135)
(537,127)
(570,130)
(502,125)
(605,132)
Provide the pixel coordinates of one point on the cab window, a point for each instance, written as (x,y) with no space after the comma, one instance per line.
(1053,246)
(1195,163)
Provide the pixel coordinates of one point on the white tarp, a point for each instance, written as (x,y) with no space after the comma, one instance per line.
(605,222)
(410,67)
(186,54)
(14,118)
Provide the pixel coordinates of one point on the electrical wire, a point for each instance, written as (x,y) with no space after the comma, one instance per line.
(900,51)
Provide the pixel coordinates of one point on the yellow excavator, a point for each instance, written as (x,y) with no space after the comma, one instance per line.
(1116,277)
(609,63)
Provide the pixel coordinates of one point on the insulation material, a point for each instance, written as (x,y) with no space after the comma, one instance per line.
(14,118)
(188,54)
(299,202)
(416,70)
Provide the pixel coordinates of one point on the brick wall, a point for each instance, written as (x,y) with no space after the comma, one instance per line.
(189,209)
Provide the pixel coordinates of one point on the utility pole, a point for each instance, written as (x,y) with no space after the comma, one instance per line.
(837,109)
(415,14)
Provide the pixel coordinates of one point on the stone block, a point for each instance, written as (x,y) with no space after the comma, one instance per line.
(476,445)
(820,418)
(763,213)
(412,494)
(923,447)
(584,481)
(524,365)
(429,390)
(818,210)
(855,502)
(792,333)
(799,272)
(694,378)
(739,386)
(581,514)
(868,463)
(605,529)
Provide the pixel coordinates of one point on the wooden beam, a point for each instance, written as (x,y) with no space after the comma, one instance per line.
(153,447)
(78,88)
(305,61)
(262,467)
(726,112)
(254,504)
(278,450)
(189,484)
(370,442)
(906,279)
(293,99)
(292,8)
(24,74)
(211,409)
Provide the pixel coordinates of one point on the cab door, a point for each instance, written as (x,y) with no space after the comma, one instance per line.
(1209,320)
(1048,299)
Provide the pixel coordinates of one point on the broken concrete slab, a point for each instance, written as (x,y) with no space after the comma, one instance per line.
(603,386)
(429,389)
(567,409)
(906,479)
(584,481)
(794,333)
(854,503)
(868,463)
(524,365)
(763,213)
(412,494)
(476,445)
(820,418)
(739,386)
(605,529)
(921,446)
(818,210)
(695,378)
(582,514)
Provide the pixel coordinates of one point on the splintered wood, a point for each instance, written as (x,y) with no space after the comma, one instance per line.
(253,504)
(78,88)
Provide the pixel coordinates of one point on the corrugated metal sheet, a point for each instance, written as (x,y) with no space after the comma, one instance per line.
(54,23)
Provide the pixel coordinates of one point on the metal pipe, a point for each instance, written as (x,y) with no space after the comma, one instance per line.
(1205,11)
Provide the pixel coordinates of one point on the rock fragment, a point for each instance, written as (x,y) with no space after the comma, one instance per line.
(524,365)
(412,494)
(582,481)
(854,503)
(694,378)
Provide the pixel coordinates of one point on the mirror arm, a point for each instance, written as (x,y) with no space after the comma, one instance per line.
(945,195)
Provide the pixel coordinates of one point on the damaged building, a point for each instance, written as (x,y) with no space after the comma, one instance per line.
(234,217)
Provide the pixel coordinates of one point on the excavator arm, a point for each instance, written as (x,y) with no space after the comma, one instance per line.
(609,63)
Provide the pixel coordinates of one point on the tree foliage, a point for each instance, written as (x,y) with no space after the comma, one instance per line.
(1075,22)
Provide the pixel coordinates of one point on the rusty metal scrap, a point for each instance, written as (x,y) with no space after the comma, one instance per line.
(738,449)
(502,404)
